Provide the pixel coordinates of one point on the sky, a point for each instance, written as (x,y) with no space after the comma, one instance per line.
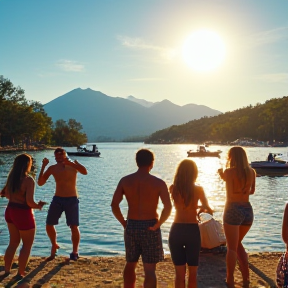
(147,49)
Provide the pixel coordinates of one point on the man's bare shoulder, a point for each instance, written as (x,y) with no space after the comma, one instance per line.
(158,180)
(127,178)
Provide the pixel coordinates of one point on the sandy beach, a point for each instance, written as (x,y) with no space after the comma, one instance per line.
(107,272)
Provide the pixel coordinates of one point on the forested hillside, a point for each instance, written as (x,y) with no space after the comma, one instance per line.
(265,122)
(25,123)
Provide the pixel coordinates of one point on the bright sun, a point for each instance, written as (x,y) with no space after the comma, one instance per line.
(204,51)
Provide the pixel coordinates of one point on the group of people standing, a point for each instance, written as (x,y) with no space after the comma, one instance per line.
(142,234)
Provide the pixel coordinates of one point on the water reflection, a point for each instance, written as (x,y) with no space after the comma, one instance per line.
(103,235)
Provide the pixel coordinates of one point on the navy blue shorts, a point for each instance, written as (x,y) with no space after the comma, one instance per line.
(238,213)
(69,205)
(139,240)
(185,243)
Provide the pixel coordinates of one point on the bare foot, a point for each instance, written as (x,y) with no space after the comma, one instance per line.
(54,249)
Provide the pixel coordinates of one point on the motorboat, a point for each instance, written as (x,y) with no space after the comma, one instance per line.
(269,165)
(203,152)
(277,167)
(82,150)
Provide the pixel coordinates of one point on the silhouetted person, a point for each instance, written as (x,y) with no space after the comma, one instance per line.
(142,228)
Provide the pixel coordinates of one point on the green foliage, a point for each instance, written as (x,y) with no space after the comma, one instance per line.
(68,134)
(26,122)
(21,121)
(265,122)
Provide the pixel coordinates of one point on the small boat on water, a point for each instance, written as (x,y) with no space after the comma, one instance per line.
(269,165)
(276,166)
(83,151)
(203,152)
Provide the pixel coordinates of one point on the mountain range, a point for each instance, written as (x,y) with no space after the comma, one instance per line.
(106,118)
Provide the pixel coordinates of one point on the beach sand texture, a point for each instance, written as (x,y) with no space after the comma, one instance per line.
(107,272)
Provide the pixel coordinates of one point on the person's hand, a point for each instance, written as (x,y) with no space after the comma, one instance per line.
(45,162)
(67,161)
(125,224)
(155,227)
(204,210)
(41,204)
(220,171)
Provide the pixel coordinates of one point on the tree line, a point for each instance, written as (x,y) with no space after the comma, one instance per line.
(26,123)
(264,122)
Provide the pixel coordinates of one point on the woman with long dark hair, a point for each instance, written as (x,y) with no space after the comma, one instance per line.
(238,212)
(184,237)
(19,189)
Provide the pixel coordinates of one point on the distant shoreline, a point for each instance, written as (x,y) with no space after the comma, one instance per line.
(31,149)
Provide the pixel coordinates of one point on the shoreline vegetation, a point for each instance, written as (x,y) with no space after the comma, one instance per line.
(8,149)
(107,272)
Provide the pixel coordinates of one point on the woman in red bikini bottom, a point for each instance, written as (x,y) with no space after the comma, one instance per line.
(19,189)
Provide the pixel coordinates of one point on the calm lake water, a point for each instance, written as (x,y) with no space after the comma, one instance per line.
(102,235)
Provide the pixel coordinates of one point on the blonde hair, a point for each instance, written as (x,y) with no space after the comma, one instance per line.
(184,181)
(237,158)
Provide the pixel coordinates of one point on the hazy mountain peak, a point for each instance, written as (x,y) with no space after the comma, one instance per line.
(107,118)
(142,102)
(165,103)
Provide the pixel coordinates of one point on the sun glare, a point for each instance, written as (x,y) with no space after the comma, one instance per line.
(204,51)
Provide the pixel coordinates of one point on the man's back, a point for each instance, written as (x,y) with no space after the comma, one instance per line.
(142,234)
(142,192)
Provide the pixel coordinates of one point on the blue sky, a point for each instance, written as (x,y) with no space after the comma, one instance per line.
(133,47)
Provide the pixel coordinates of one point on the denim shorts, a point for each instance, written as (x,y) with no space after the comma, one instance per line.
(69,205)
(238,213)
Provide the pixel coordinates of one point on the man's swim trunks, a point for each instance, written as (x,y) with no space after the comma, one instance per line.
(69,205)
(21,215)
(185,243)
(139,240)
(238,213)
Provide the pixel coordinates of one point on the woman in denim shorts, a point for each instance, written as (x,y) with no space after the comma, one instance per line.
(238,213)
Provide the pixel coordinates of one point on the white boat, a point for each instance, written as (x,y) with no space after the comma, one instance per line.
(83,151)
(203,152)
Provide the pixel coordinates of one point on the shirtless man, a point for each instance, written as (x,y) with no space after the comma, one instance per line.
(65,198)
(142,228)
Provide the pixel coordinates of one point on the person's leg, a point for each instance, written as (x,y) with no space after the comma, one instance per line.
(180,271)
(192,280)
(150,275)
(75,238)
(53,215)
(193,247)
(14,242)
(27,237)
(71,209)
(232,239)
(242,256)
(51,232)
(129,274)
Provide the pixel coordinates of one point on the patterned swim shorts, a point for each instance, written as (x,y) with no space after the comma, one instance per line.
(238,213)
(139,240)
